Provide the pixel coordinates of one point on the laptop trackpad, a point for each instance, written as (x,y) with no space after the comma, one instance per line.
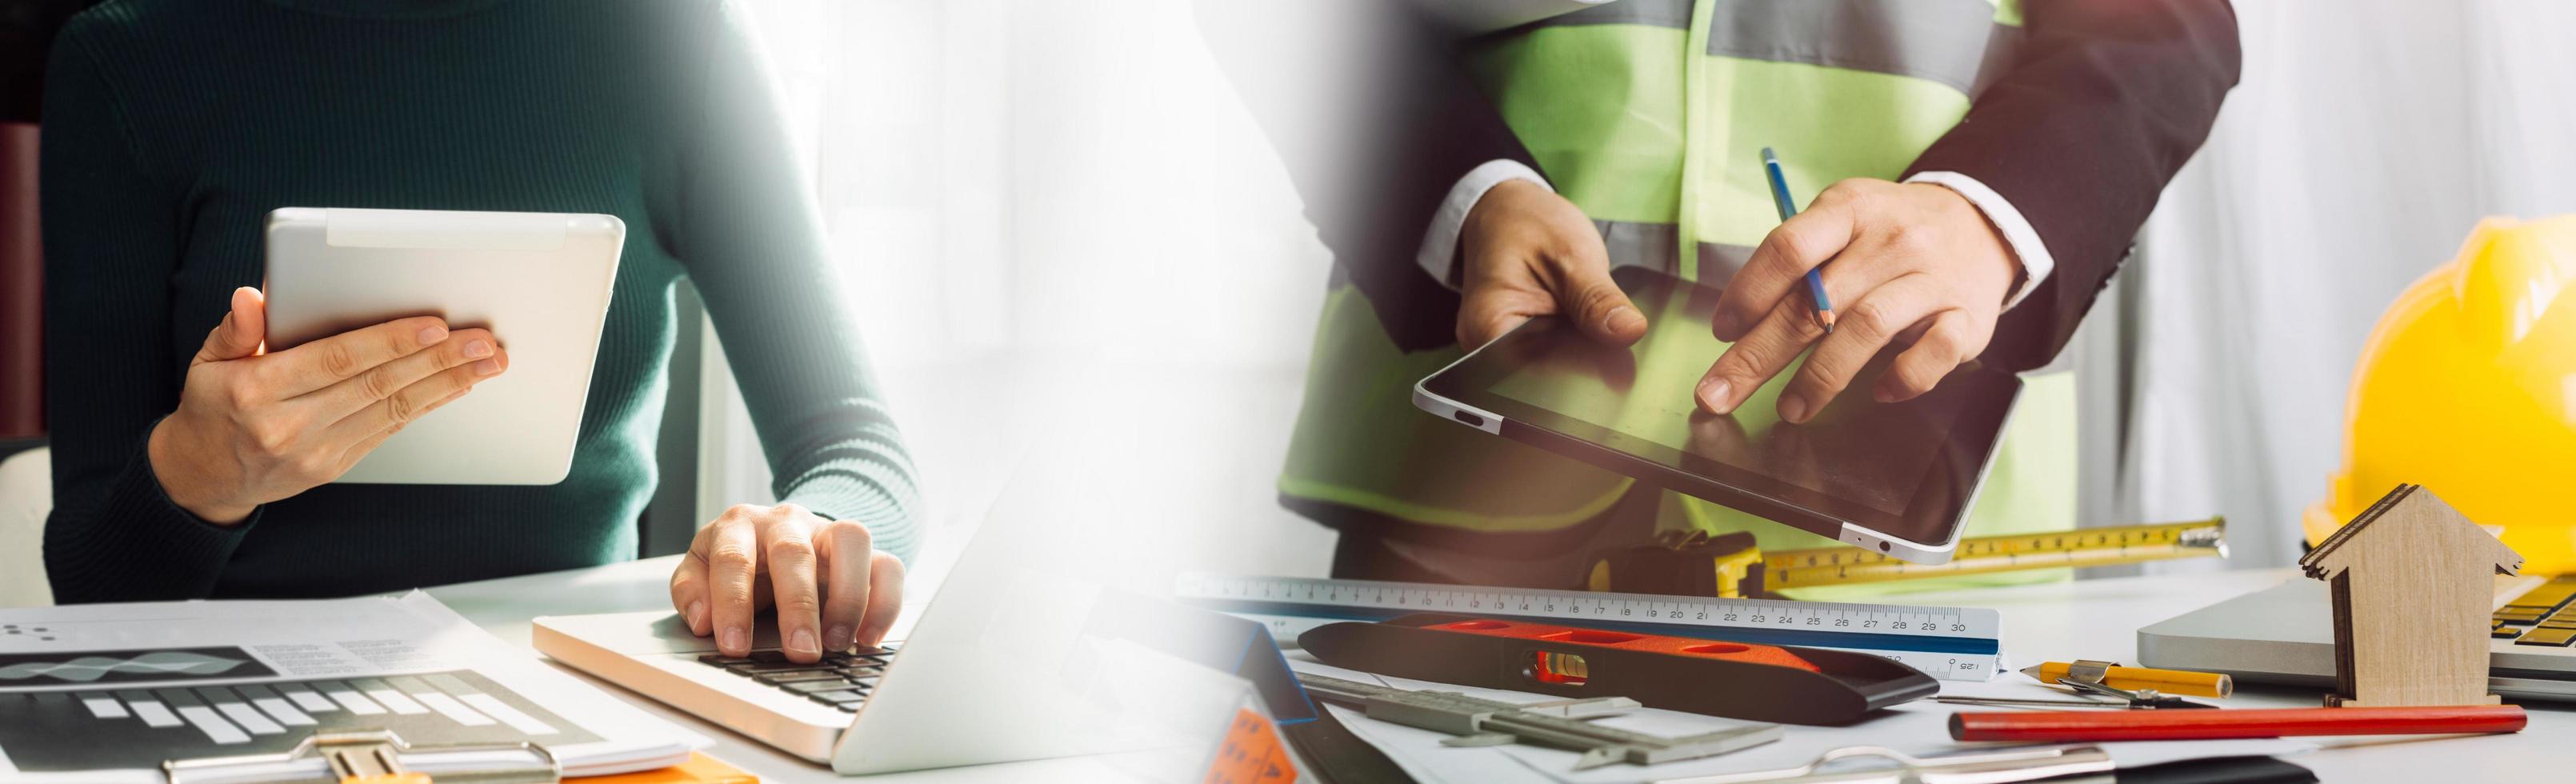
(658,631)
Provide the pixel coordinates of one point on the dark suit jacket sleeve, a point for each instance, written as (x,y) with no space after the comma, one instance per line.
(1375,120)
(2104,102)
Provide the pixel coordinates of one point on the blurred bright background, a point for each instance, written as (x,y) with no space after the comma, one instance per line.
(1072,251)
(1053,218)
(1057,216)
(2364,141)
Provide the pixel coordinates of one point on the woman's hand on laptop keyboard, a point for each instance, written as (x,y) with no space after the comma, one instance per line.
(831,587)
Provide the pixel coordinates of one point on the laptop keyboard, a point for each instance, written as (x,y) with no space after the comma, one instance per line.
(840,680)
(2541,616)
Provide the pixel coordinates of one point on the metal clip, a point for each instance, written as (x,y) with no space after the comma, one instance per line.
(2085,677)
(371,755)
(2089,670)
(2142,699)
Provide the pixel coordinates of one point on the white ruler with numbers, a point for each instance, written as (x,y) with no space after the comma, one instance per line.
(1950,643)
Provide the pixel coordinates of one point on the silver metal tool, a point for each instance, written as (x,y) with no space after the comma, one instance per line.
(1981,767)
(2142,699)
(2086,670)
(1558,723)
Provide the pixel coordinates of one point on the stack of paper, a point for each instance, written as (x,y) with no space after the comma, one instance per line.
(107,693)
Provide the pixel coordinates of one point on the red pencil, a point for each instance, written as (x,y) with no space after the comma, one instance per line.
(2072,727)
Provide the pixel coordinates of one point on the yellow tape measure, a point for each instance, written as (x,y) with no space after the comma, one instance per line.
(1986,554)
(1728,566)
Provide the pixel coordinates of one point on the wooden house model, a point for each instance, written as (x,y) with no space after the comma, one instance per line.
(2414,583)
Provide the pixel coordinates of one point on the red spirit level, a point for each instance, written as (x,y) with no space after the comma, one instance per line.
(1734,680)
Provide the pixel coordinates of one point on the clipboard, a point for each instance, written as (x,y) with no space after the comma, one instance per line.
(371,757)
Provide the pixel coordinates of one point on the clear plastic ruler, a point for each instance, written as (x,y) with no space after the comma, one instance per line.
(1949,643)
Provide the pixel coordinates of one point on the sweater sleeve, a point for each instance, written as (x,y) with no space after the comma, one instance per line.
(111,242)
(746,228)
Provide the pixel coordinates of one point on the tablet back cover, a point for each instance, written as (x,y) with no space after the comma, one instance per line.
(539,281)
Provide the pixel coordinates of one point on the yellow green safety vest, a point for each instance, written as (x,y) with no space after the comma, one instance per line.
(1649,115)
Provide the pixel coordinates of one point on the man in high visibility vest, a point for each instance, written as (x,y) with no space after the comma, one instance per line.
(1988,159)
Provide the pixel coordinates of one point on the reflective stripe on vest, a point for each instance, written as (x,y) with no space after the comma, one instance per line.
(1656,244)
(1640,112)
(1946,41)
(1603,99)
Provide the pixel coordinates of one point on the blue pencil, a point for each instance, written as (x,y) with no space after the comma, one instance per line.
(1815,274)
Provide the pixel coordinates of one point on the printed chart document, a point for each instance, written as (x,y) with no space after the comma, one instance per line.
(106,693)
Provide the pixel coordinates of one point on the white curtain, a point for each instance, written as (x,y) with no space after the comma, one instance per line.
(2366,138)
(1030,197)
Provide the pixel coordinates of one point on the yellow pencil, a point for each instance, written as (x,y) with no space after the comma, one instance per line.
(2178,682)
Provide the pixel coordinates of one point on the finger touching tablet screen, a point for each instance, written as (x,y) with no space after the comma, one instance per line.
(1892,477)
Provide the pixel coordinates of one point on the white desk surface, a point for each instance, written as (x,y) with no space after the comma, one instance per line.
(504,607)
(2083,619)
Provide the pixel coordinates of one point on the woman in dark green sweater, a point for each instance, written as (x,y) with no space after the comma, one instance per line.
(189,464)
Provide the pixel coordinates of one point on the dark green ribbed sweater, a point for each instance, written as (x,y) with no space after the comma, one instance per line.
(172,127)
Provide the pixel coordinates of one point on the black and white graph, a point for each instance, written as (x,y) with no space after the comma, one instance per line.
(78,729)
(158,666)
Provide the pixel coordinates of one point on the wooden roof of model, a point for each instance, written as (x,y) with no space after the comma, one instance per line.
(2321,562)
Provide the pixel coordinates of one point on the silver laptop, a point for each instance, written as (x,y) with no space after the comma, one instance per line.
(2284,634)
(1001,666)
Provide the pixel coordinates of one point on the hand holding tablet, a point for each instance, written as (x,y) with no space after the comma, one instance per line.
(255,426)
(539,283)
(1890,476)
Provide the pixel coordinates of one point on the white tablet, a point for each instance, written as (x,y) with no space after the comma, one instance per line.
(539,281)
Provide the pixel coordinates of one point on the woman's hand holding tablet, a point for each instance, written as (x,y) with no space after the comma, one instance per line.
(254,426)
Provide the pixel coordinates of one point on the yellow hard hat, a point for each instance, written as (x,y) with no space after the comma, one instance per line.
(2468,387)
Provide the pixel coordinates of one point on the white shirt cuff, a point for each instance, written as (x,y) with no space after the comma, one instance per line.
(2026,247)
(1440,243)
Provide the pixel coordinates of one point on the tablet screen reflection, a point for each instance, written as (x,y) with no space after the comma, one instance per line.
(1856,449)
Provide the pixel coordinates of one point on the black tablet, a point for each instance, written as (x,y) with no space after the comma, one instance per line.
(1893,477)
